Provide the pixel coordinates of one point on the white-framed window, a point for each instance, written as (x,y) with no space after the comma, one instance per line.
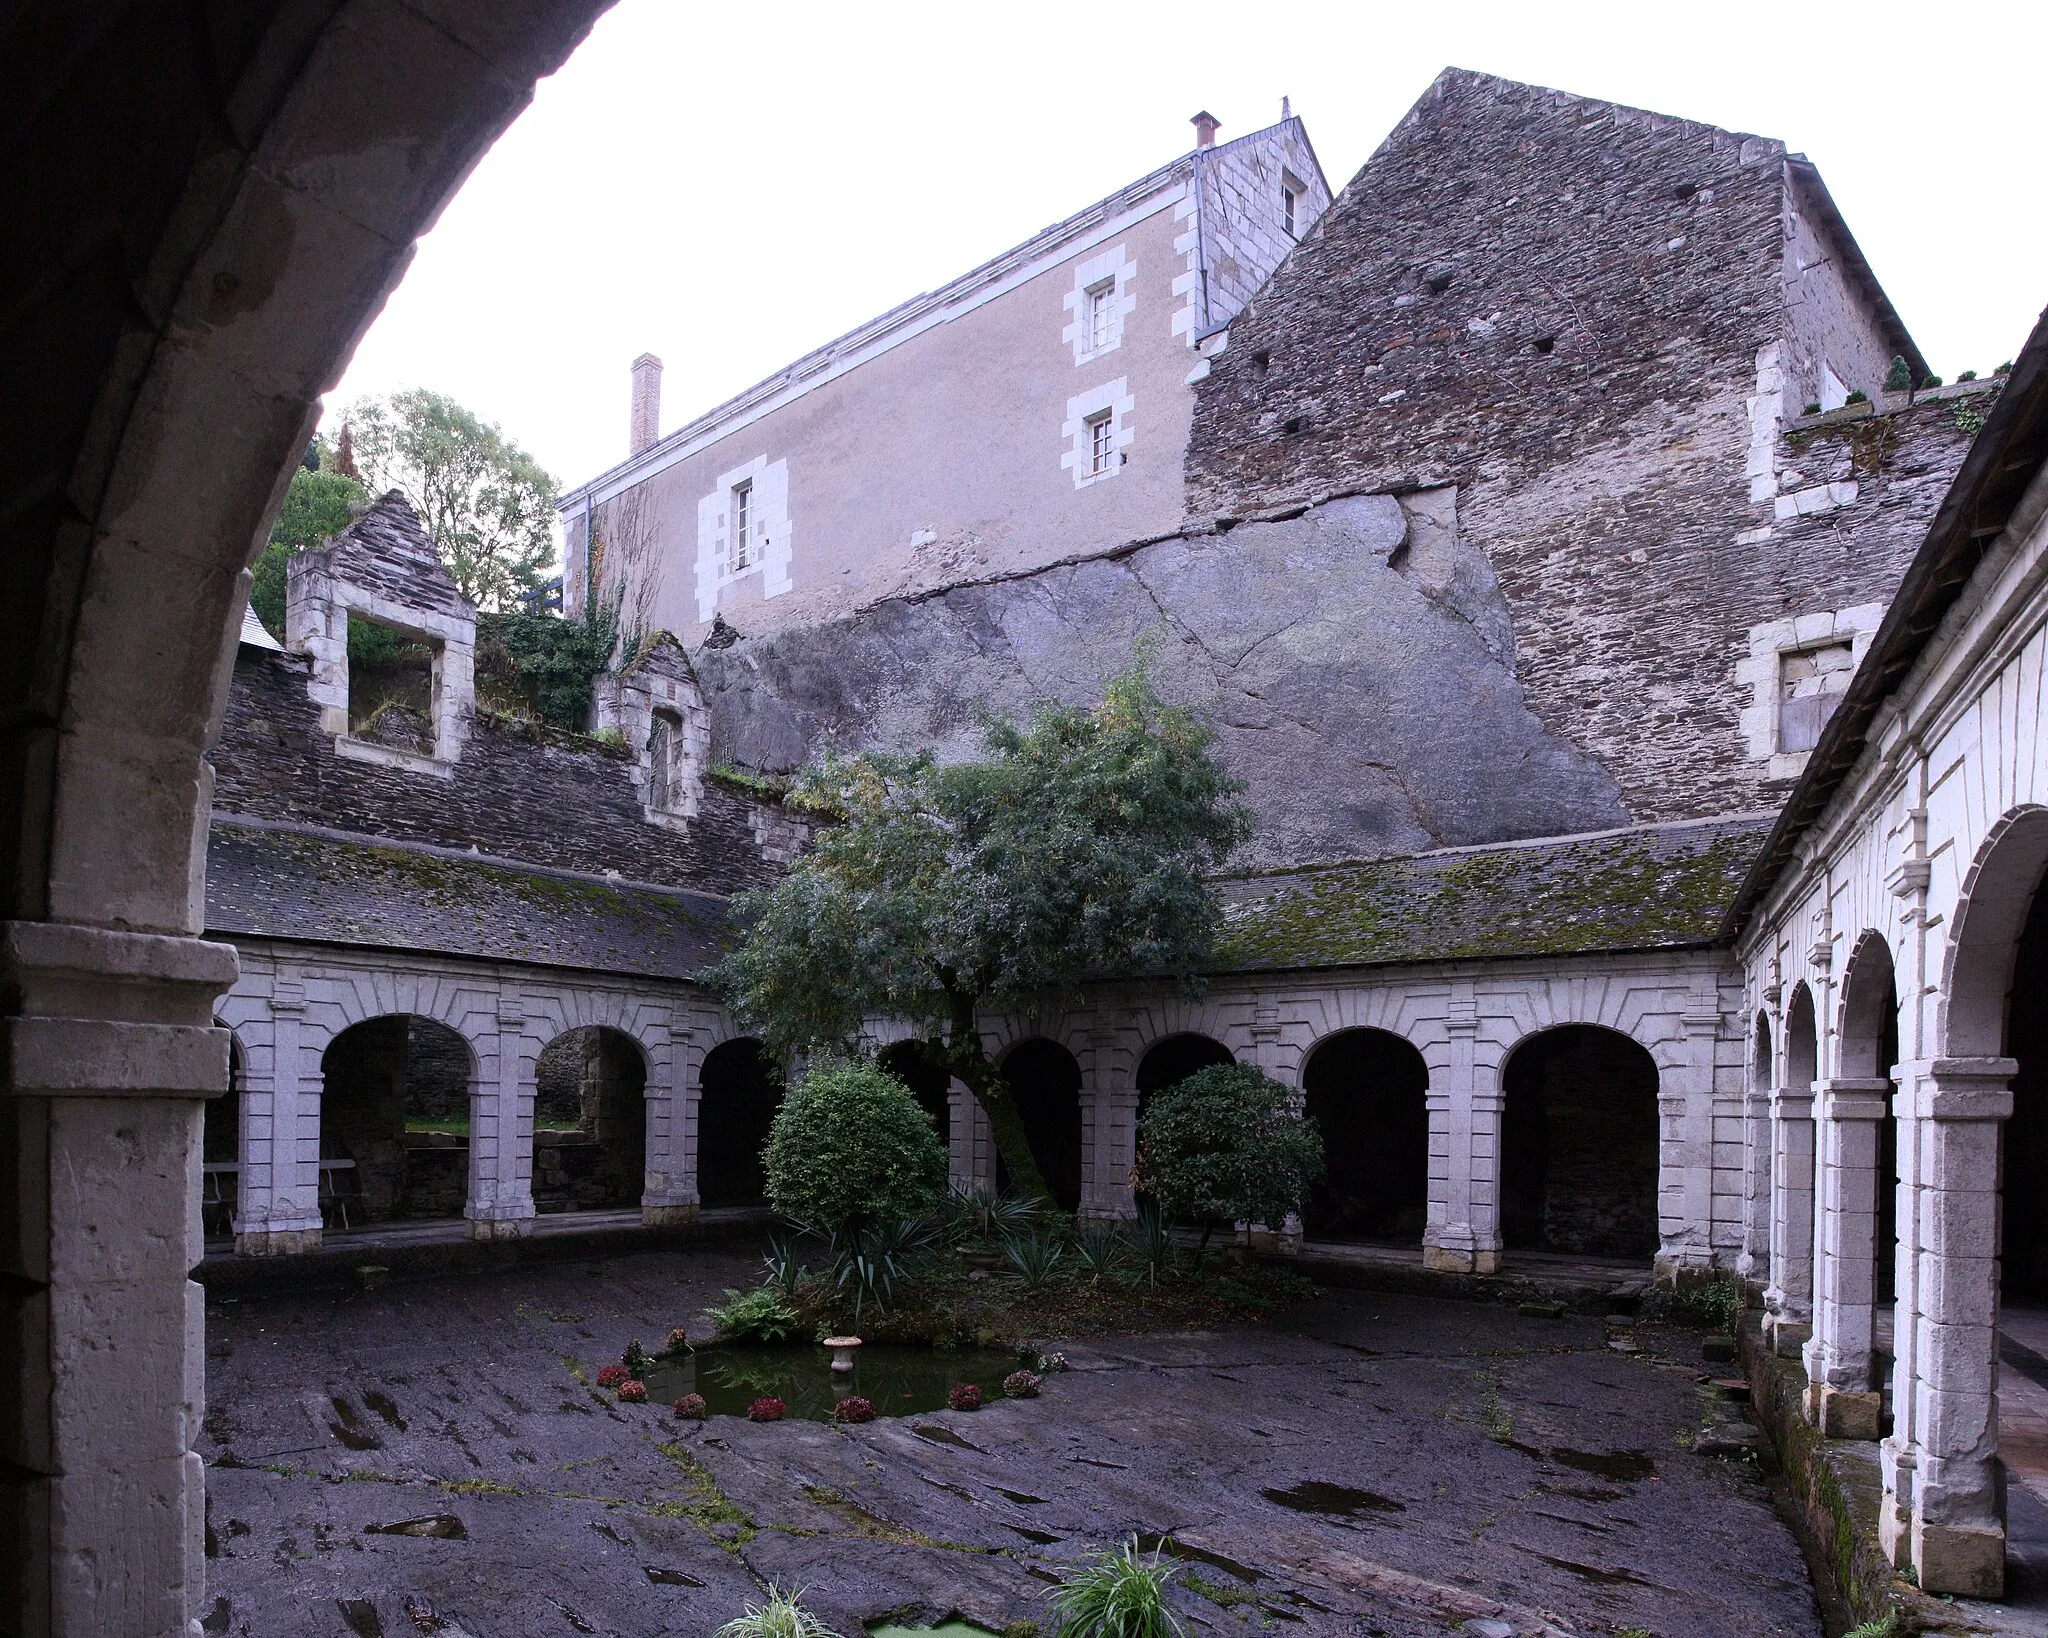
(742,535)
(1097,431)
(1289,203)
(1099,303)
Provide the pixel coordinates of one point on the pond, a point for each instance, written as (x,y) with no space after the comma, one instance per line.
(900,1379)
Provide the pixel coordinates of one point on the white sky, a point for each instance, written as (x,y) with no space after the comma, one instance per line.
(730,186)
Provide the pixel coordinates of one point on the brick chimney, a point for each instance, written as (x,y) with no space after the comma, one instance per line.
(646,402)
(1205,124)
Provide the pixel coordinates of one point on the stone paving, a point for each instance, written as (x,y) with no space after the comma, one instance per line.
(429,1458)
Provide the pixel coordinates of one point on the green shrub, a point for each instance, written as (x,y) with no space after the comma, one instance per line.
(1227,1146)
(546,661)
(783,1616)
(760,1315)
(1899,377)
(851,1150)
(1117,1594)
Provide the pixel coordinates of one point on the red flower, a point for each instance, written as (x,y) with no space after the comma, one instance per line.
(965,1396)
(632,1390)
(691,1407)
(853,1408)
(612,1375)
(766,1409)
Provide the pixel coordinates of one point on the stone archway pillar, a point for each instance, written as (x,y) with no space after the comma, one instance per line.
(1944,1489)
(671,1174)
(110,1053)
(1109,1134)
(1788,1299)
(500,1204)
(1759,1179)
(277,1206)
(1463,1235)
(1841,1398)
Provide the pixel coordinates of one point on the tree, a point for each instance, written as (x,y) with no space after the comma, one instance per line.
(1227,1145)
(317,504)
(489,506)
(851,1150)
(1072,848)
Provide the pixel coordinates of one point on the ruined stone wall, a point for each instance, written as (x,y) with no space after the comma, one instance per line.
(533,799)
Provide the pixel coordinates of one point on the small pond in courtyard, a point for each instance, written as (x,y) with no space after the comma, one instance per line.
(899,1379)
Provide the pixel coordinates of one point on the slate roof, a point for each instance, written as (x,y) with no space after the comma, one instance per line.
(1651,888)
(299,884)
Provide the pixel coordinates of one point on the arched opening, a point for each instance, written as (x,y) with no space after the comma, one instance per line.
(394,1122)
(930,1083)
(1172,1059)
(589,1122)
(1757,1156)
(1367,1091)
(740,1090)
(220,1160)
(1802,1042)
(1579,1144)
(1870,1047)
(1046,1082)
(2025,1206)
(1760,1056)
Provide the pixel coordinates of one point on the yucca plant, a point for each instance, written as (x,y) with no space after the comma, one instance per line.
(1117,1594)
(1153,1243)
(1098,1248)
(786,1270)
(783,1616)
(1034,1256)
(980,1214)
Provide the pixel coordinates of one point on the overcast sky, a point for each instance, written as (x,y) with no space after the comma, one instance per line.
(731,186)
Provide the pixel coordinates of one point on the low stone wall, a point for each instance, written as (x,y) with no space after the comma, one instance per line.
(1834,1485)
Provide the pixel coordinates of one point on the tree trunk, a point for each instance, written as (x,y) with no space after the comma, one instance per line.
(965,1057)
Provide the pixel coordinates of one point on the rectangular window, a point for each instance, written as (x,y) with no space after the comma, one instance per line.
(1101,314)
(1811,682)
(1287,201)
(1101,443)
(742,525)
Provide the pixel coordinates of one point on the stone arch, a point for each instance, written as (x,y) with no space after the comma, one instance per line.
(1802,1040)
(397,1093)
(931,1083)
(1867,1047)
(1044,1078)
(1991,913)
(1763,1076)
(1367,1090)
(590,1120)
(1169,1059)
(740,1087)
(1580,1143)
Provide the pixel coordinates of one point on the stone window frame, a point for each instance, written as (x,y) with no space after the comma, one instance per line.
(1112,401)
(1102,290)
(769,552)
(1762,669)
(324,637)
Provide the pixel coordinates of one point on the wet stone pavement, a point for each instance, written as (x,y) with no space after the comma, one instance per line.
(432,1458)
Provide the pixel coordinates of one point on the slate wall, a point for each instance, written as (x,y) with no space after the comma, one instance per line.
(538,800)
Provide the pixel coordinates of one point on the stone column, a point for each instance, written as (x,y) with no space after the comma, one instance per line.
(1688,1112)
(500,1204)
(1788,1299)
(671,1196)
(1841,1395)
(107,1054)
(1759,1172)
(1463,1235)
(1957,1502)
(277,1207)
(1109,1131)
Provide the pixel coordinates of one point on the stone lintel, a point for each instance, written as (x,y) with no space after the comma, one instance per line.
(1845,1097)
(1960,1089)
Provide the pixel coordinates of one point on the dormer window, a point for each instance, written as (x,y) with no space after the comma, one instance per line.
(667,790)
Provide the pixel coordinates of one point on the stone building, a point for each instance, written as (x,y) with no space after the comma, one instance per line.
(1893,937)
(1032,408)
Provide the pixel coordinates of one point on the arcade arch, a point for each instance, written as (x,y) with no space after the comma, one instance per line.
(1045,1081)
(1367,1092)
(740,1088)
(589,1121)
(1579,1144)
(395,1111)
(929,1082)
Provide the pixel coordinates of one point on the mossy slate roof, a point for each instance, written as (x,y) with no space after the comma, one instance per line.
(264,882)
(1659,887)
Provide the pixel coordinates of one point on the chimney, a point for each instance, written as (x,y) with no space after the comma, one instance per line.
(646,402)
(1205,124)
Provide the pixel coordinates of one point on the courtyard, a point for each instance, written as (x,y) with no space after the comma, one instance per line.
(435,1456)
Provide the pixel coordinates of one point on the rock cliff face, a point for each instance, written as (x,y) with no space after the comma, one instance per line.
(1355,660)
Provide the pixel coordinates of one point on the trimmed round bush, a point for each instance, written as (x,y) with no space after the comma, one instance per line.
(633,1390)
(691,1407)
(853,1408)
(1020,1385)
(850,1148)
(612,1375)
(1227,1146)
(767,1409)
(964,1396)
